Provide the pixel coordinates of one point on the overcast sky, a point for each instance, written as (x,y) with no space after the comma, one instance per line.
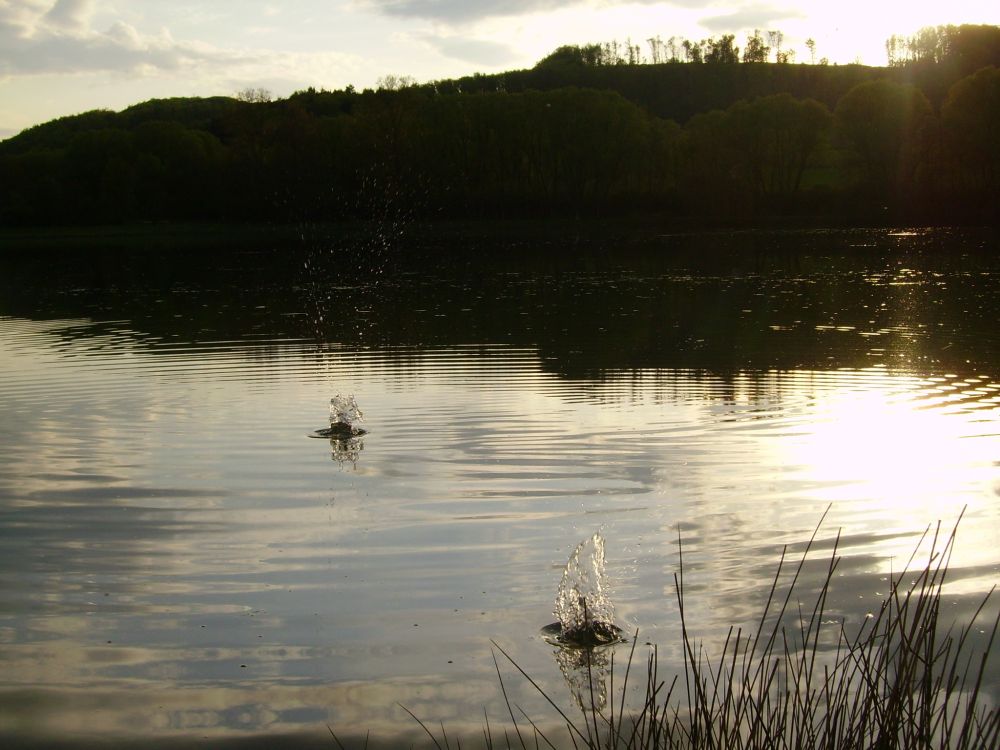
(60,57)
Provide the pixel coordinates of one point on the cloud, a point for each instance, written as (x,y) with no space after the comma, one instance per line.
(476,51)
(287,71)
(38,38)
(73,15)
(752,17)
(461,11)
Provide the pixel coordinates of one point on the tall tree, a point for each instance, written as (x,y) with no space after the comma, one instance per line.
(775,39)
(884,123)
(774,138)
(755,51)
(655,49)
(692,51)
(721,50)
(970,116)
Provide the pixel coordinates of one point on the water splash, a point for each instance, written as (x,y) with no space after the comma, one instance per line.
(344,411)
(585,611)
(345,418)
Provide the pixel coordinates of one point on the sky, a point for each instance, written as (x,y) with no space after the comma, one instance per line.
(62,57)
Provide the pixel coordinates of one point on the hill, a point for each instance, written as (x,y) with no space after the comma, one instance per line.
(578,133)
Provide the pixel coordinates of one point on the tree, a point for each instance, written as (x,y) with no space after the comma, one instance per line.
(253,95)
(972,47)
(664,157)
(721,50)
(968,47)
(576,56)
(392,82)
(773,139)
(884,123)
(755,50)
(892,51)
(707,168)
(775,39)
(177,170)
(929,43)
(101,165)
(970,116)
(673,49)
(655,49)
(30,188)
(692,51)
(634,53)
(811,46)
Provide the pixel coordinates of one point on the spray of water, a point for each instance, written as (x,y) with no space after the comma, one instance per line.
(345,419)
(583,607)
(344,411)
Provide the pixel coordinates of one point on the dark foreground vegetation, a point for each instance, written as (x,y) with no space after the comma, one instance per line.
(589,130)
(904,679)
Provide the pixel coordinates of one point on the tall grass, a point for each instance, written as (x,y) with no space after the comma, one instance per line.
(799,680)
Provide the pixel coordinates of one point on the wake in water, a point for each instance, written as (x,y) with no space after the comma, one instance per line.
(586,614)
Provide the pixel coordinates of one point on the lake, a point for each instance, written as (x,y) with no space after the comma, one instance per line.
(181,562)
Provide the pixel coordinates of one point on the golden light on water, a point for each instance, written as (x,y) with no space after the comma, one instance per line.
(905,452)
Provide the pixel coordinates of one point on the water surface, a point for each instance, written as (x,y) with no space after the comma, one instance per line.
(179,561)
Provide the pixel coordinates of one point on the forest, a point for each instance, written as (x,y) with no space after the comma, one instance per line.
(689,130)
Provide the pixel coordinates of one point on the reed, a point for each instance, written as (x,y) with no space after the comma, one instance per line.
(798,681)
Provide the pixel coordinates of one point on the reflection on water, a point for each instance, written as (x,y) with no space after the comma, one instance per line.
(178,560)
(346,450)
(586,672)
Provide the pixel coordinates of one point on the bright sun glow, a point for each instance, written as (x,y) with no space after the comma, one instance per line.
(905,457)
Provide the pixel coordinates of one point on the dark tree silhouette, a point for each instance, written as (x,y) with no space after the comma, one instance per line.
(884,124)
(970,116)
(755,51)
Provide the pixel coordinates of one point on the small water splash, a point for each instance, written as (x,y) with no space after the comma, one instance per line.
(345,419)
(344,411)
(585,611)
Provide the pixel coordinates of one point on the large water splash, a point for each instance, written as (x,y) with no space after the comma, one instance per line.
(586,614)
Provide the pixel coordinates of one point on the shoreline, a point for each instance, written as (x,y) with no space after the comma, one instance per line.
(181,236)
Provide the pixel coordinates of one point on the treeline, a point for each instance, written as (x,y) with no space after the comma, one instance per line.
(678,78)
(844,141)
(677,49)
(967,47)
